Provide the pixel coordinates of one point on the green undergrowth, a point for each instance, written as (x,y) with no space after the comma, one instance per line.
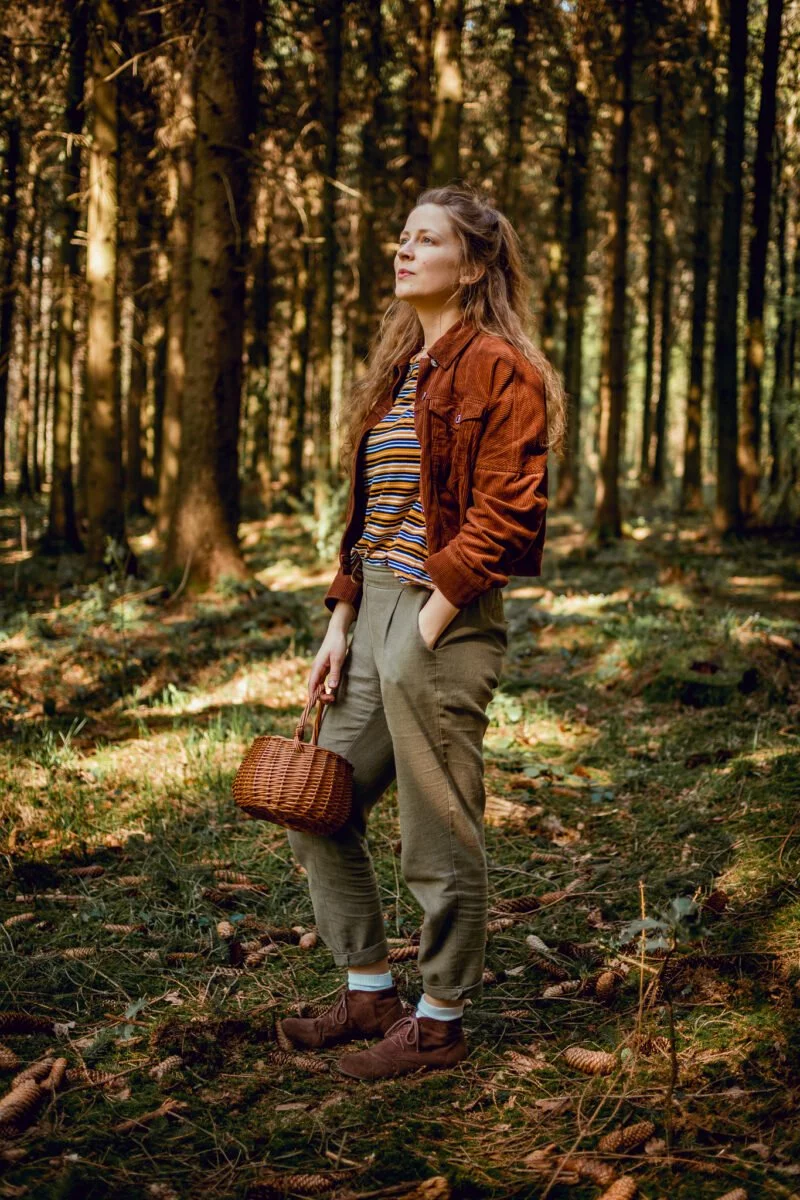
(125,722)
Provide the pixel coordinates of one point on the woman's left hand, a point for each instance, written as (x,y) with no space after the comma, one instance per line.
(435,615)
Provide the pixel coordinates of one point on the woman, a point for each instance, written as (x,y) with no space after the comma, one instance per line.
(448,440)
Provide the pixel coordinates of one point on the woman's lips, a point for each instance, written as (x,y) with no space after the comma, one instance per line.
(404,271)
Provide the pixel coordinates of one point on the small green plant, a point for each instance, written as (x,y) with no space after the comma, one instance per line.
(677,926)
(54,749)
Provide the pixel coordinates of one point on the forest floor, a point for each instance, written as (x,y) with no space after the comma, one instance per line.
(643,758)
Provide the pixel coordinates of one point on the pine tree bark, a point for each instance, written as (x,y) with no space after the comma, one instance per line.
(518,16)
(613,397)
(780,377)
(62,527)
(691,482)
(105,509)
(7,282)
(203,537)
(303,302)
(665,347)
(137,387)
(449,99)
(37,354)
(330,21)
(755,350)
(727,513)
(420,15)
(578,135)
(259,352)
(24,403)
(653,174)
(373,183)
(181,170)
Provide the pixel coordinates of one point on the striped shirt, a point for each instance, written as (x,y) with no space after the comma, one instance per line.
(394,525)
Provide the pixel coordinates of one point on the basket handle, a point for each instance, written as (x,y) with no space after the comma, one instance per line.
(299,733)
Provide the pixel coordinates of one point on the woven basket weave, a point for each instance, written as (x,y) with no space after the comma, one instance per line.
(296,783)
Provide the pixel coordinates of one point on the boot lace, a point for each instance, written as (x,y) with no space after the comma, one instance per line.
(404,1032)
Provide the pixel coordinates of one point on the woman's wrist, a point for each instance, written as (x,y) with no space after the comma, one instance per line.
(342,616)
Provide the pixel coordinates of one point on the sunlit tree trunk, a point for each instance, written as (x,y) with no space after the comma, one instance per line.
(302,305)
(449,96)
(750,427)
(608,519)
(180,169)
(27,314)
(652,175)
(691,483)
(780,379)
(662,402)
(7,279)
(105,507)
(203,536)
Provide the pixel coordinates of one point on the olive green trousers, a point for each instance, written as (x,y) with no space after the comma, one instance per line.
(418,715)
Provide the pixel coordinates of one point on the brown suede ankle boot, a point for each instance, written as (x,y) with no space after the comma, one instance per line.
(354,1015)
(412,1044)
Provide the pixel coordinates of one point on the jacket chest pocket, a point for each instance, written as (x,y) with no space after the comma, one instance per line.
(456,425)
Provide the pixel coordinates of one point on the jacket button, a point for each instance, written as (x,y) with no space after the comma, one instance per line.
(458,418)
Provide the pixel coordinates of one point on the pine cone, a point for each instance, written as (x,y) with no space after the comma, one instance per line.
(93,871)
(216,896)
(591,1062)
(131,881)
(582,952)
(490,978)
(308,941)
(553,897)
(256,957)
(648,1045)
(403,954)
(18,1107)
(436,1188)
(303,1062)
(280,933)
(586,1167)
(56,1077)
(89,1076)
(606,984)
(624,1188)
(231,876)
(225,930)
(20,1022)
(516,904)
(163,1068)
(548,967)
(109,928)
(627,1138)
(8,1059)
(177,957)
(515,1014)
(557,991)
(19,919)
(500,924)
(38,1071)
(259,888)
(78,952)
(271,1187)
(216,864)
(736,1194)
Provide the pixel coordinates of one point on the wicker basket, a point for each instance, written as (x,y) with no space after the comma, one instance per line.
(296,783)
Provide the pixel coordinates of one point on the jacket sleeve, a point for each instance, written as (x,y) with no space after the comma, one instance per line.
(345,587)
(509,489)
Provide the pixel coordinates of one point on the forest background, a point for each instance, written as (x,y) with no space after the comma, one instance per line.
(199,206)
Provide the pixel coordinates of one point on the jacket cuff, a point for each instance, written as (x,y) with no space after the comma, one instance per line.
(344,587)
(456,582)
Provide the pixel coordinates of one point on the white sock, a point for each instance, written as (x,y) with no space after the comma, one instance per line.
(451,1013)
(357,981)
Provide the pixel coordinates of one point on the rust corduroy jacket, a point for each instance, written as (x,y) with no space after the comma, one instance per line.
(481,422)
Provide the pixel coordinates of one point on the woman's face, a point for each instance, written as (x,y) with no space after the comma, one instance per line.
(428,258)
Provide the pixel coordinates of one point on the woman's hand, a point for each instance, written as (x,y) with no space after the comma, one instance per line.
(331,654)
(435,615)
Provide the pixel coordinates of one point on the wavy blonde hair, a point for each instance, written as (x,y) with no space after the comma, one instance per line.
(498,303)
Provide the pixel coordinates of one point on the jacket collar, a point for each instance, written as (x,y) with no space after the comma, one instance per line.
(450,344)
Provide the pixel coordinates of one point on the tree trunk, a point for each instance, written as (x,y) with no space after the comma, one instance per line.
(750,428)
(662,402)
(62,527)
(551,294)
(518,16)
(608,520)
(579,132)
(105,508)
(778,400)
(373,184)
(181,170)
(330,20)
(727,513)
(420,15)
(298,367)
(203,537)
(37,347)
(8,293)
(24,487)
(137,387)
(258,354)
(691,483)
(449,101)
(653,173)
